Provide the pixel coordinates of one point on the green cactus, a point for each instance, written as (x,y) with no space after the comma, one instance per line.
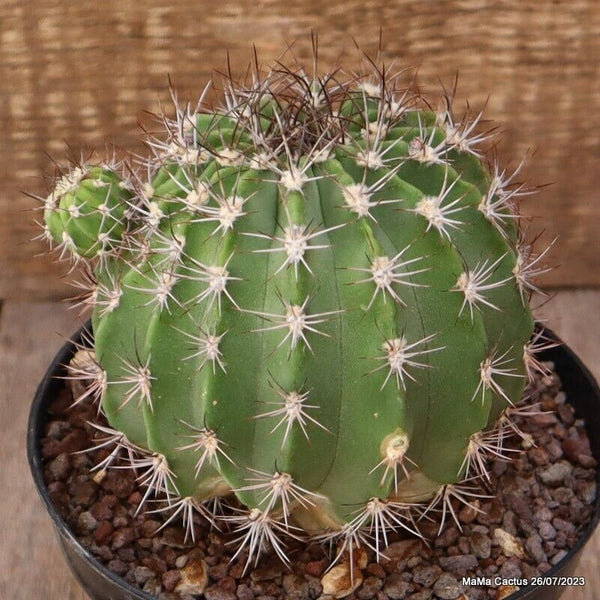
(85,211)
(317,300)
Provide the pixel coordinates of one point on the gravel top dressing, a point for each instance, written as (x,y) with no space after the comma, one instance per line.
(531,515)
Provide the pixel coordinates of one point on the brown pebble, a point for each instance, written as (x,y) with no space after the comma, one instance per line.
(244,592)
(469,512)
(491,513)
(102,551)
(544,419)
(543,514)
(126,554)
(499,467)
(547,531)
(157,564)
(170,579)
(119,522)
(110,500)
(510,545)
(217,593)
(57,429)
(556,473)
(447,587)
(458,564)
(481,544)
(73,442)
(539,456)
(236,570)
(60,467)
(316,568)
(142,574)
(559,431)
(135,498)
(413,561)
(340,582)
(587,461)
(270,569)
(463,545)
(83,492)
(86,522)
(119,482)
(511,569)
(149,527)
(295,587)
(80,461)
(226,583)
(547,401)
(371,585)
(555,449)
(194,578)
(573,446)
(56,486)
(533,546)
(566,414)
(586,490)
(122,537)
(216,550)
(360,558)
(170,556)
(448,537)
(376,569)
(103,532)
(102,511)
(174,537)
(218,571)
(396,588)
(426,575)
(404,549)
(118,566)
(519,506)
(564,495)
(144,543)
(429,529)
(504,591)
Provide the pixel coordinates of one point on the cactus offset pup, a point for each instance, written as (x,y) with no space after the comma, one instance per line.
(314,298)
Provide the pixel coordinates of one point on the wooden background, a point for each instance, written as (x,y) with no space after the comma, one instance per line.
(83,72)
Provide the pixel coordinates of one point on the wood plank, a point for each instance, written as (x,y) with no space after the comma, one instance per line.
(574,316)
(32,567)
(30,564)
(72,73)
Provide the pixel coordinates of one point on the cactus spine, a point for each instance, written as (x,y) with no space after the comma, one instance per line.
(314,298)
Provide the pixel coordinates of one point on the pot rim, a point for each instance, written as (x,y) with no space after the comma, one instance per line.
(36,422)
(51,381)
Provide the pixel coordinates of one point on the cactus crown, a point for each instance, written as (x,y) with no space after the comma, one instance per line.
(314,298)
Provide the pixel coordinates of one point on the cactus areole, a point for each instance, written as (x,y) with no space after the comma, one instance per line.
(314,298)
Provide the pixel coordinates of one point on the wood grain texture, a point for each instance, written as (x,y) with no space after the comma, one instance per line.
(84,72)
(30,565)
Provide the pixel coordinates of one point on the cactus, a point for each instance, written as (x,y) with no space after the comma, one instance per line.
(314,298)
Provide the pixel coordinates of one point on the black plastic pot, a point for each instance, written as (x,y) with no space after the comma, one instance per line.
(101,584)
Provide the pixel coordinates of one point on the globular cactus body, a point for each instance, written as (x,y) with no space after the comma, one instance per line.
(85,210)
(317,299)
